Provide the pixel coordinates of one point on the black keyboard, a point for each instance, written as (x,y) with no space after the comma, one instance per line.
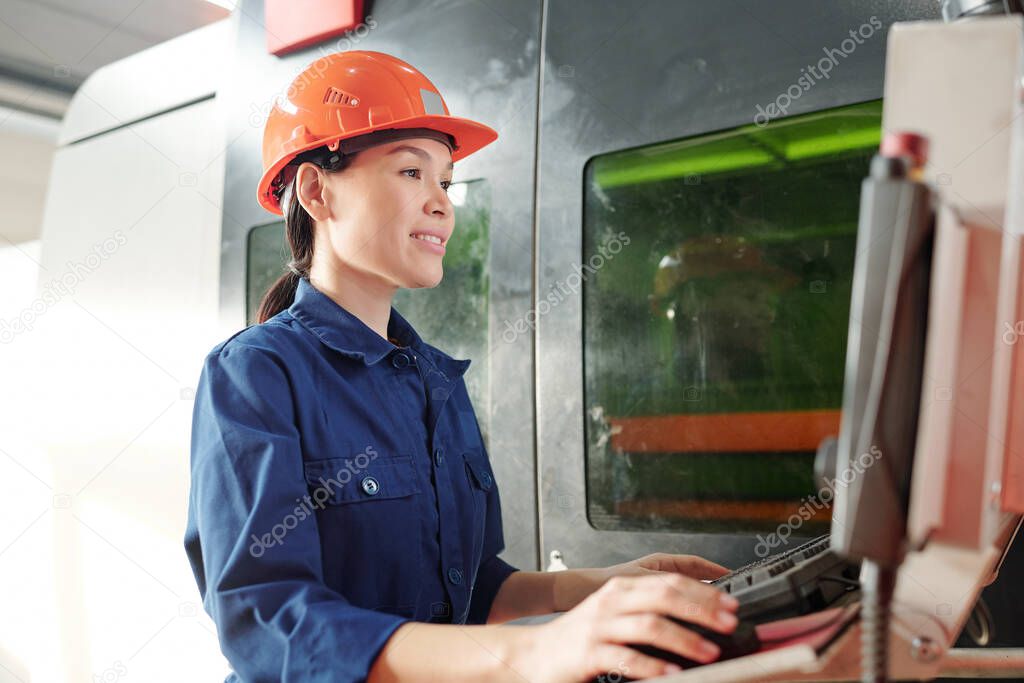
(801,580)
(747,574)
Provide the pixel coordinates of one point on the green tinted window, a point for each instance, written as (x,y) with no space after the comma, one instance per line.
(451,316)
(266,255)
(716,300)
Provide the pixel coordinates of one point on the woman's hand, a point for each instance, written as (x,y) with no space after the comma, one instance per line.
(572,586)
(591,638)
(688,565)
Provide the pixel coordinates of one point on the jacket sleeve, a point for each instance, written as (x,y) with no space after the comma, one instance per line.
(254,552)
(493,570)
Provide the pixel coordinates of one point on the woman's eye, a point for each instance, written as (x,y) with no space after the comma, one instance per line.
(446,184)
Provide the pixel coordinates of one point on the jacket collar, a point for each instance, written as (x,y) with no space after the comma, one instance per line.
(347,334)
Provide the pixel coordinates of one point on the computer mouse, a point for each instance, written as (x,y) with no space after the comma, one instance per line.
(742,641)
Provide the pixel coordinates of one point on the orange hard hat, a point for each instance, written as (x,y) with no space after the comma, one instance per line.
(354,93)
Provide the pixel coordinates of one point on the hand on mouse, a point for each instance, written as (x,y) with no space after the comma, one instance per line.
(593,638)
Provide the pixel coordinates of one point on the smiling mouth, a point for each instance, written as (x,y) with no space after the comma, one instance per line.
(433,239)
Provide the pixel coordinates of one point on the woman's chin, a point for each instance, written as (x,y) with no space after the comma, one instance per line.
(427,280)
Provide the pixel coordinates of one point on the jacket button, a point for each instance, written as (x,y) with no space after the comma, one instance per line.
(400,360)
(438,456)
(486,480)
(370,486)
(454,575)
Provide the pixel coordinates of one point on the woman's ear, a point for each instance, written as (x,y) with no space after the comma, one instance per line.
(312,191)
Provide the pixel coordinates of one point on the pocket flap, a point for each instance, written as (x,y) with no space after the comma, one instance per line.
(340,480)
(478,466)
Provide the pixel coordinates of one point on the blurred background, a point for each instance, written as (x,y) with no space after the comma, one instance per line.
(652,282)
(92,577)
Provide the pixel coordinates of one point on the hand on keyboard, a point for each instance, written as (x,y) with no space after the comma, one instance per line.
(694,566)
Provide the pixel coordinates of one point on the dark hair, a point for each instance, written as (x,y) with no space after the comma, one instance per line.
(299,230)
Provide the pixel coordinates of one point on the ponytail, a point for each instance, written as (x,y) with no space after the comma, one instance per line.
(299,228)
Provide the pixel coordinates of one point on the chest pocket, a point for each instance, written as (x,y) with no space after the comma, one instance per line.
(370,525)
(479,469)
(339,481)
(481,481)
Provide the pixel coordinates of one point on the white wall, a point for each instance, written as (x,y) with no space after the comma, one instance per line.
(27,144)
(26,534)
(102,344)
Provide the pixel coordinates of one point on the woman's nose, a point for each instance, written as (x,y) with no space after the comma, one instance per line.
(438,202)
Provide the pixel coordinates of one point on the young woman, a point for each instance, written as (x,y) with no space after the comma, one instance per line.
(344,522)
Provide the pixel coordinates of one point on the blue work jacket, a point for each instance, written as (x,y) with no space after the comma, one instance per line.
(339,487)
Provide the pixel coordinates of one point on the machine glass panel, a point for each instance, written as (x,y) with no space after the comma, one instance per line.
(266,255)
(716,279)
(452,316)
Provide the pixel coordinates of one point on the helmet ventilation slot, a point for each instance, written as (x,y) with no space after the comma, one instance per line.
(336,96)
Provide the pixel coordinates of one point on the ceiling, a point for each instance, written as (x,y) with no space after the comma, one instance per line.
(49,47)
